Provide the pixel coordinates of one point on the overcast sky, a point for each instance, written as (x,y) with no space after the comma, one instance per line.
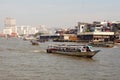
(58,13)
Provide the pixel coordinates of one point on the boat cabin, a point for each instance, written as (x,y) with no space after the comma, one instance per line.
(70,48)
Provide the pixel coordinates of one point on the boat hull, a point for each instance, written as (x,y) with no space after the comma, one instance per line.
(89,54)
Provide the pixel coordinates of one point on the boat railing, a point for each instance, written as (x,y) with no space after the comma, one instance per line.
(71,48)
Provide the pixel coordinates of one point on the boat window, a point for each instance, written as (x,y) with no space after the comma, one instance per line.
(83,49)
(79,50)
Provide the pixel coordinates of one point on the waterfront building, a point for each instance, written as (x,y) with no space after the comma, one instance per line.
(10,26)
(26,30)
(7,31)
(42,29)
(96,36)
(95,32)
(96,28)
(82,27)
(70,37)
(30,30)
(116,29)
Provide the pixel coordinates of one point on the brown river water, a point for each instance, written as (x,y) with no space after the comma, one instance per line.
(19,60)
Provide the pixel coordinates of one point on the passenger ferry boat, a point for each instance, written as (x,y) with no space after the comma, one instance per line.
(74,50)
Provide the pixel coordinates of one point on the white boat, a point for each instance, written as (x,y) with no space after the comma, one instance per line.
(29,38)
(74,50)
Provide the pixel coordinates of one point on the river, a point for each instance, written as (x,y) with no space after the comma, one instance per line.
(19,60)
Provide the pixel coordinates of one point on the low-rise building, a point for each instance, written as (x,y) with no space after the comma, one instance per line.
(96,36)
(7,31)
(96,32)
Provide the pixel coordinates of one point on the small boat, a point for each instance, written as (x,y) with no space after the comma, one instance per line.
(74,50)
(34,42)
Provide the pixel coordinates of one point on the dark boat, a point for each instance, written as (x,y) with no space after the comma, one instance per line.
(74,50)
(34,42)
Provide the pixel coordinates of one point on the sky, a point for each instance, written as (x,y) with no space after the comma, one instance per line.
(59,13)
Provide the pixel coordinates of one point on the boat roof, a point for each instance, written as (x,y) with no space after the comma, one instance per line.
(66,45)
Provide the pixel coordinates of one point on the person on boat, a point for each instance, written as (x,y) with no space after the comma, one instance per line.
(84,49)
(87,49)
(67,49)
(78,50)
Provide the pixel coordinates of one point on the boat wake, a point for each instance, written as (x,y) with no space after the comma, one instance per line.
(116,46)
(37,51)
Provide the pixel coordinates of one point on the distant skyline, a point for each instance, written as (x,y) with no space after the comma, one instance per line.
(59,13)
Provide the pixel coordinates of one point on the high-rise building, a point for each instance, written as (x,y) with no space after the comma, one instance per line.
(10,24)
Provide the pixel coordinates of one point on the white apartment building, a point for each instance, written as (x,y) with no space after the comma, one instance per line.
(42,29)
(11,28)
(81,27)
(26,30)
(7,31)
